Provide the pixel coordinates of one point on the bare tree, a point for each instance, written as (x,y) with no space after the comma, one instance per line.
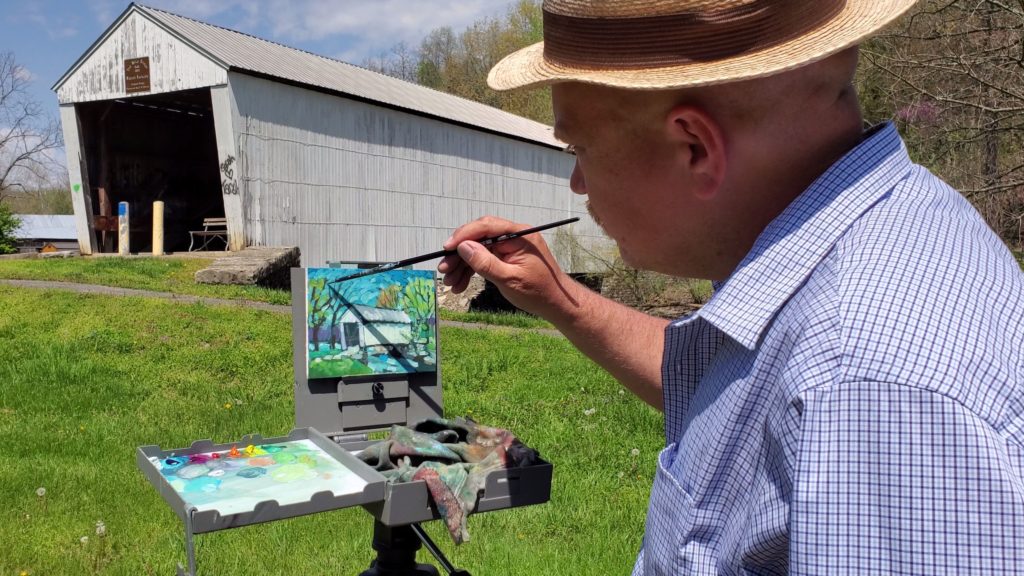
(401,63)
(28,136)
(952,74)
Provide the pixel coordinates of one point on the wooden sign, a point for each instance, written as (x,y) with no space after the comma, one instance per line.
(136,75)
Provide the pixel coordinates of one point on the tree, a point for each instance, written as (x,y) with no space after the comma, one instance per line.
(28,137)
(458,63)
(952,75)
(402,63)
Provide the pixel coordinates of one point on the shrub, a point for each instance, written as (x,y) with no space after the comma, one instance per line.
(9,224)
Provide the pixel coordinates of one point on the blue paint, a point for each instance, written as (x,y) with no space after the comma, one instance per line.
(253,472)
(122,209)
(204,484)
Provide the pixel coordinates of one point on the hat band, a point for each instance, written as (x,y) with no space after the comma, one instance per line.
(699,35)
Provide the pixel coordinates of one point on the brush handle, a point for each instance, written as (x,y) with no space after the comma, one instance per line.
(442,253)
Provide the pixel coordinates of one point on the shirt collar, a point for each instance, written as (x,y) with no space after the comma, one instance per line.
(796,241)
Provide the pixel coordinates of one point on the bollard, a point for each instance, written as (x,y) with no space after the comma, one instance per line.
(158,228)
(122,229)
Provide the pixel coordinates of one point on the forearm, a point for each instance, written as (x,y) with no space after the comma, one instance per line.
(627,343)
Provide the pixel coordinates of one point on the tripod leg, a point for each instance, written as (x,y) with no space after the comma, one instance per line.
(425,538)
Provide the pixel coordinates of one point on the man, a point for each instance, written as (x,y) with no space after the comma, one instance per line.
(850,400)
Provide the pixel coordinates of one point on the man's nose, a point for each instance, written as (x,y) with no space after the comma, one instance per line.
(576,182)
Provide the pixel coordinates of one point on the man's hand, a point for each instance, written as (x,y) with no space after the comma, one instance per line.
(523,269)
(623,341)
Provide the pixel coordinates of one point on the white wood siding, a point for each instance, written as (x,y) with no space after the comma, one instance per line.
(173,64)
(81,197)
(347,180)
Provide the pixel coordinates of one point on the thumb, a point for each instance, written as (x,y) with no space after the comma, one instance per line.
(479,259)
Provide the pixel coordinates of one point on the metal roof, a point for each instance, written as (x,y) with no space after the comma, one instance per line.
(46,227)
(246,53)
(370,314)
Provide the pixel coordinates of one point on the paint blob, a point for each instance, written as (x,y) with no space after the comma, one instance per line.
(192,471)
(292,472)
(251,472)
(206,484)
(284,457)
(261,461)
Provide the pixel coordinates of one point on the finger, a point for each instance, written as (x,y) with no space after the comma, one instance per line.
(462,281)
(482,261)
(449,263)
(482,228)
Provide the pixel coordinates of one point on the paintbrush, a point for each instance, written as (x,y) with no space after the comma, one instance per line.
(442,253)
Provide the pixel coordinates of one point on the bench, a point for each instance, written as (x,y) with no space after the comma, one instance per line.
(212,228)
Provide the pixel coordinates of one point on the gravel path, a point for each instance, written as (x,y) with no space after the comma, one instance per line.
(281,309)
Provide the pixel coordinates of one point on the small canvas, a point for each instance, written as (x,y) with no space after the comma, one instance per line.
(236,480)
(383,323)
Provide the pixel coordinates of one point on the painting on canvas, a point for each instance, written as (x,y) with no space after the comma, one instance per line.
(383,323)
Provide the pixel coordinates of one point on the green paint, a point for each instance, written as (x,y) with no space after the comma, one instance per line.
(293,472)
(284,458)
(76,187)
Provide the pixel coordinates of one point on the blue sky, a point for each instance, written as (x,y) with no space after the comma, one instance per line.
(47,36)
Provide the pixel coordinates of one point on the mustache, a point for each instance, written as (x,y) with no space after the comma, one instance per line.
(590,210)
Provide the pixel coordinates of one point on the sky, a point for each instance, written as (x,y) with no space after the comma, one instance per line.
(48,36)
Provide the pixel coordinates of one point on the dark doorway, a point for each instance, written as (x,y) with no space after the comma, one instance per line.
(148,148)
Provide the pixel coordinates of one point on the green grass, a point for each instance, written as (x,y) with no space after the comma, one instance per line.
(86,379)
(1020,257)
(512,319)
(175,275)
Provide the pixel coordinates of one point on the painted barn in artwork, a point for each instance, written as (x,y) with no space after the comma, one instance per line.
(293,149)
(365,326)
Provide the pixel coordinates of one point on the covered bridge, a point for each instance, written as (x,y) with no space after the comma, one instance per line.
(291,148)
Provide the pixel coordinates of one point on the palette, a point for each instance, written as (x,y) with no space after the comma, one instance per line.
(214,487)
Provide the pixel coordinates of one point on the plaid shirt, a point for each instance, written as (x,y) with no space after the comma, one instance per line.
(850,400)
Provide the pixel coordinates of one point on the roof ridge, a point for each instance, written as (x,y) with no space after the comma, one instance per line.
(255,37)
(330,59)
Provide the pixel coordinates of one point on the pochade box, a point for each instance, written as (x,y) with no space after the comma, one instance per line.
(366,357)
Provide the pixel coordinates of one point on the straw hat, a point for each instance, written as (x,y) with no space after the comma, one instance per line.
(657,44)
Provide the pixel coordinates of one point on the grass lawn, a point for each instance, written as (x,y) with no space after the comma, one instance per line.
(86,379)
(176,275)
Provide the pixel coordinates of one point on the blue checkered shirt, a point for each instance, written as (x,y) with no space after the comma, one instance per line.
(850,400)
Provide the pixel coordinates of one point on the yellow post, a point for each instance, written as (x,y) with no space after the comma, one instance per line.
(158,228)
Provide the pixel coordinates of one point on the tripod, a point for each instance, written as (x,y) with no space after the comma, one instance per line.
(396,548)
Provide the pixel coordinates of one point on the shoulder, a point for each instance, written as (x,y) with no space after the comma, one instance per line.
(927,294)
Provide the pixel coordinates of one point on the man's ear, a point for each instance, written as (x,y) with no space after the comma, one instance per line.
(700,142)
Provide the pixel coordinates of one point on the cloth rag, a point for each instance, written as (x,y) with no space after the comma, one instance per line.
(453,457)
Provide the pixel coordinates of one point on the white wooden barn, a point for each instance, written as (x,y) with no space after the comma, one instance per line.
(292,148)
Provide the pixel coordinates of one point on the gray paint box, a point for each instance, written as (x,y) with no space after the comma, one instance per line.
(333,416)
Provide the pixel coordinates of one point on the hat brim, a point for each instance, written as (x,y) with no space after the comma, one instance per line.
(858,20)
